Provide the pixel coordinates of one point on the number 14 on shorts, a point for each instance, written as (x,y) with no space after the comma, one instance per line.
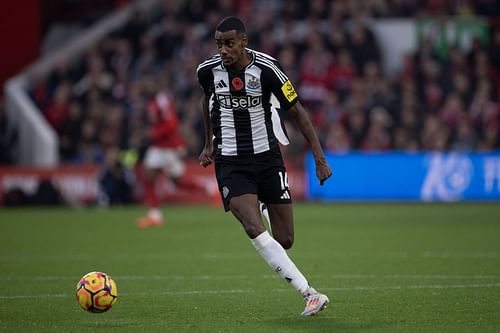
(284,185)
(283,180)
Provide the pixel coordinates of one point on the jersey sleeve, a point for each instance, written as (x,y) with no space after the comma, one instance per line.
(205,79)
(281,86)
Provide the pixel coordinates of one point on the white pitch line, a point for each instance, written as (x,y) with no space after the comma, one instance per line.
(438,286)
(248,291)
(210,292)
(33,296)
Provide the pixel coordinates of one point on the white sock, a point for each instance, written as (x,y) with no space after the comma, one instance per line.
(155,213)
(276,257)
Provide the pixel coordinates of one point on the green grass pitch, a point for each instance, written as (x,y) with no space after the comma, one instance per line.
(386,268)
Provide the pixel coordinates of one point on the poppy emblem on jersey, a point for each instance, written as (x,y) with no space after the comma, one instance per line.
(289,91)
(237,83)
(253,83)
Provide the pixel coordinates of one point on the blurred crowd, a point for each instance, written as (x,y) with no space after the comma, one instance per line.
(98,102)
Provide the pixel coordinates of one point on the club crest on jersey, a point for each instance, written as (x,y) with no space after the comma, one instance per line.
(253,83)
(237,83)
(289,91)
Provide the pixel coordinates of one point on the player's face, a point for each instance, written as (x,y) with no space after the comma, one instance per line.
(231,47)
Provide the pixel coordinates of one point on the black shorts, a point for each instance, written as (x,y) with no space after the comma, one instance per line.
(261,174)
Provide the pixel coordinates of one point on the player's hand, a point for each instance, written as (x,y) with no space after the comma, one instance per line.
(206,156)
(323,171)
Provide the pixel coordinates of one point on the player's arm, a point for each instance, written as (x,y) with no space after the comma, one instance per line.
(283,89)
(205,78)
(323,170)
(208,149)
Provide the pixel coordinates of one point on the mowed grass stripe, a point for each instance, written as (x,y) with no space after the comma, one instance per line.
(253,291)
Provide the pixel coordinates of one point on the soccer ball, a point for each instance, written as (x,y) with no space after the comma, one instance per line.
(96,292)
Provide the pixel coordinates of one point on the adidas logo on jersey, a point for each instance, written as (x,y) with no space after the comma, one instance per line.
(285,195)
(221,84)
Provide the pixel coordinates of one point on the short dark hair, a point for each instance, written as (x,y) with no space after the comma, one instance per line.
(231,23)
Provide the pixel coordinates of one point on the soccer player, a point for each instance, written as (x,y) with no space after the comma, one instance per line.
(238,85)
(165,154)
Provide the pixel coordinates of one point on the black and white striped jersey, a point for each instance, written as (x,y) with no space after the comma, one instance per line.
(243,105)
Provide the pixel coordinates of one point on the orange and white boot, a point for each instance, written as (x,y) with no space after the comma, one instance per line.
(315,302)
(153,219)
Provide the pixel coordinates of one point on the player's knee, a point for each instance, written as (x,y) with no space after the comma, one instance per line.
(249,219)
(253,229)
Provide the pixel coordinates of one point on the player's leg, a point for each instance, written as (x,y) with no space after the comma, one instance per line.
(154,216)
(153,165)
(239,193)
(246,209)
(173,165)
(274,191)
(175,169)
(281,220)
(239,190)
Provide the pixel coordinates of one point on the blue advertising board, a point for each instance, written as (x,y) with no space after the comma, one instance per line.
(407,176)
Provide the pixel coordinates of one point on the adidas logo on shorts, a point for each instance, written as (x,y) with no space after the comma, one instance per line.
(285,195)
